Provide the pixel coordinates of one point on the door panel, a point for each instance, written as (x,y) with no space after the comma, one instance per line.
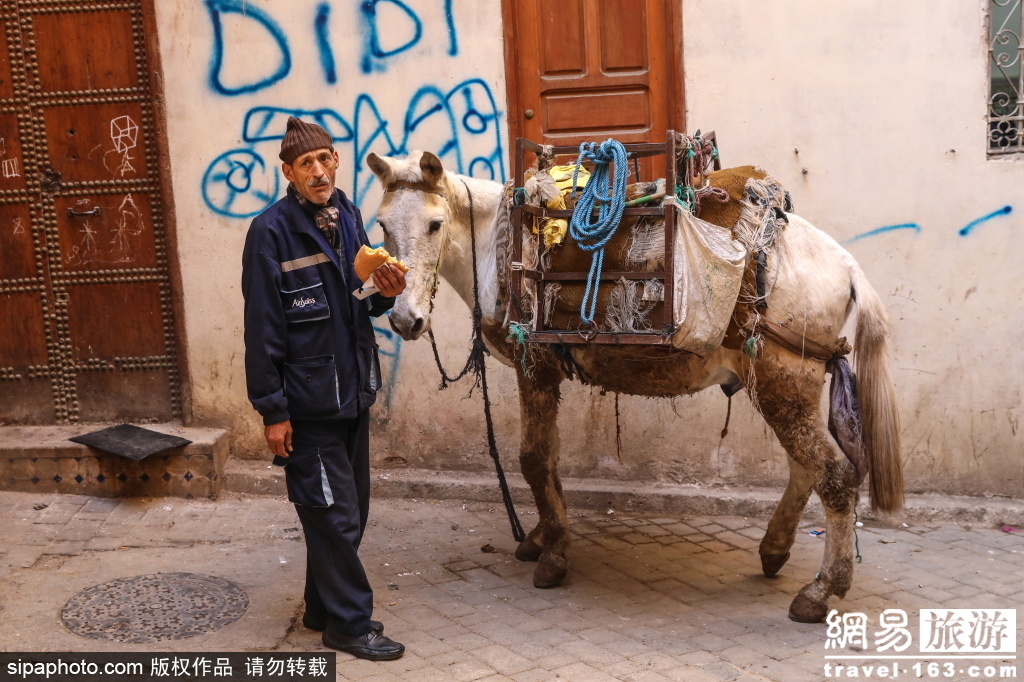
(109,322)
(17,250)
(6,87)
(12,160)
(568,54)
(623,40)
(572,113)
(24,323)
(85,50)
(97,142)
(586,70)
(100,232)
(102,394)
(87,322)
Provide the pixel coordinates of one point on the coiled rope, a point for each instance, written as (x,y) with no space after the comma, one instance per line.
(600,227)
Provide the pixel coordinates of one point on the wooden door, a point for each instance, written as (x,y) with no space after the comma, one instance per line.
(587,70)
(87,319)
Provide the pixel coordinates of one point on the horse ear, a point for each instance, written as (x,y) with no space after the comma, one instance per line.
(381,168)
(432,169)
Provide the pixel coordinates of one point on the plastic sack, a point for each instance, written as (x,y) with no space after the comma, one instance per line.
(707,270)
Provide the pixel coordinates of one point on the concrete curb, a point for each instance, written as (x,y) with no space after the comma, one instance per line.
(260,478)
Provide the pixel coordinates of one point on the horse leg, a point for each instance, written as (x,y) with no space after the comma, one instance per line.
(538,459)
(788,395)
(781,533)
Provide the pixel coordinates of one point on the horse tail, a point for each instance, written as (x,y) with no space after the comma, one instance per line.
(877,397)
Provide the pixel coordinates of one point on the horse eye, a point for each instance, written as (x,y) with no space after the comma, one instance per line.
(435,226)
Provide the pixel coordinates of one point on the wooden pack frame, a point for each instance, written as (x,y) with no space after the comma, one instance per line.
(637,150)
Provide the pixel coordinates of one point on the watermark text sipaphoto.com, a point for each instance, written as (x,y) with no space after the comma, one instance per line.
(954,644)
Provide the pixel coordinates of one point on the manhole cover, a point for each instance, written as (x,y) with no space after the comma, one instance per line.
(152,608)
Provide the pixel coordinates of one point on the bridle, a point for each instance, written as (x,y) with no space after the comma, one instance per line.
(427,188)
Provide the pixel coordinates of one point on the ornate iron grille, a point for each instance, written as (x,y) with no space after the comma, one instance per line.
(1006,85)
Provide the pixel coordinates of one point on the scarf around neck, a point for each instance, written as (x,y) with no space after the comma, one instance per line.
(325,217)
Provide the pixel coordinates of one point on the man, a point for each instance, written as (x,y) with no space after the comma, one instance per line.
(312,372)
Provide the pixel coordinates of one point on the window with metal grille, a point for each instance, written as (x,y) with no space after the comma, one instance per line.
(1006,80)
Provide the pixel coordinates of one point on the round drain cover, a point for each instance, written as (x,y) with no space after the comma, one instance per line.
(152,608)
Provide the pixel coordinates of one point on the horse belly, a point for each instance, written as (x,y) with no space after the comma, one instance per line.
(652,374)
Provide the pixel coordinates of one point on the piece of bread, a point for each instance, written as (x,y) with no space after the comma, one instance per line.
(368,260)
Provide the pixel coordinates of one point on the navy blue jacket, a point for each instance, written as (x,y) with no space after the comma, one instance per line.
(310,351)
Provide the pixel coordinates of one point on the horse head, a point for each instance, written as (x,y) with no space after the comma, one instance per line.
(415,217)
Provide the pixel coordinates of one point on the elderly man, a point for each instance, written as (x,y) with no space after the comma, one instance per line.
(312,372)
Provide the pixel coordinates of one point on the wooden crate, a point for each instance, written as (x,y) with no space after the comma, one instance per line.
(542,334)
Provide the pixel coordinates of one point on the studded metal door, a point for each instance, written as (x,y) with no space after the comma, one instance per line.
(87,328)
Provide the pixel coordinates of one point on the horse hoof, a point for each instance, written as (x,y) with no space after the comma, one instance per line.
(528,550)
(771,563)
(550,572)
(804,609)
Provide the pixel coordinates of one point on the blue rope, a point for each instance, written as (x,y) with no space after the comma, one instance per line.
(598,229)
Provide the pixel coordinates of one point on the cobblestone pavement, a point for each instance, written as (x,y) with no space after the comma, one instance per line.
(646,598)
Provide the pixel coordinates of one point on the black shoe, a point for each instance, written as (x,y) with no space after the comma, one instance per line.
(372,646)
(319,625)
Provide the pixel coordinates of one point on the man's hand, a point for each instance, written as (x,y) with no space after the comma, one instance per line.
(279,437)
(389,280)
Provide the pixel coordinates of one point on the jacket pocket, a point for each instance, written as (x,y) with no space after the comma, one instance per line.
(375,380)
(311,387)
(304,300)
(306,481)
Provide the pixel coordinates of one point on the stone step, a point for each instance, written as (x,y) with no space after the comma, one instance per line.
(42,459)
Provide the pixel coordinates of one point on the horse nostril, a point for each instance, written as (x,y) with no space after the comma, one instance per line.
(417,327)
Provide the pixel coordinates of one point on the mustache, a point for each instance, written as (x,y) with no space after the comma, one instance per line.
(318,182)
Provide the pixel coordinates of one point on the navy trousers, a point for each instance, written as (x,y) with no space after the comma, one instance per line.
(328,479)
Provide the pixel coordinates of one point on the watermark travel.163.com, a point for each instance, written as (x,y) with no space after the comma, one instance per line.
(953,644)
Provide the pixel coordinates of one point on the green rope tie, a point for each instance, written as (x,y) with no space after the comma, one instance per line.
(687,197)
(519,333)
(750,348)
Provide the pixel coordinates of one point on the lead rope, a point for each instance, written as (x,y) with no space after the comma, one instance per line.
(475,363)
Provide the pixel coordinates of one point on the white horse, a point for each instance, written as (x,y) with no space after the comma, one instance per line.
(425,215)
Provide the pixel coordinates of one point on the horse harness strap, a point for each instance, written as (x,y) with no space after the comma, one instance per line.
(799,344)
(424,187)
(844,414)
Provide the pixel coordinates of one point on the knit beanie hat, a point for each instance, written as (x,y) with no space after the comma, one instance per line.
(302,137)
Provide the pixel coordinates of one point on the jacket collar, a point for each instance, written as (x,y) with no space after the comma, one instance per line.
(299,221)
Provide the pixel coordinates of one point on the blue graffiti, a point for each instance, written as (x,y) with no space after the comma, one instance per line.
(374,52)
(234,184)
(268,124)
(219,7)
(882,230)
(453,37)
(462,125)
(323,14)
(966,230)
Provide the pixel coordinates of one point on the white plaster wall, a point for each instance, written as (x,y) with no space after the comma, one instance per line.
(417,74)
(875,97)
(886,103)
